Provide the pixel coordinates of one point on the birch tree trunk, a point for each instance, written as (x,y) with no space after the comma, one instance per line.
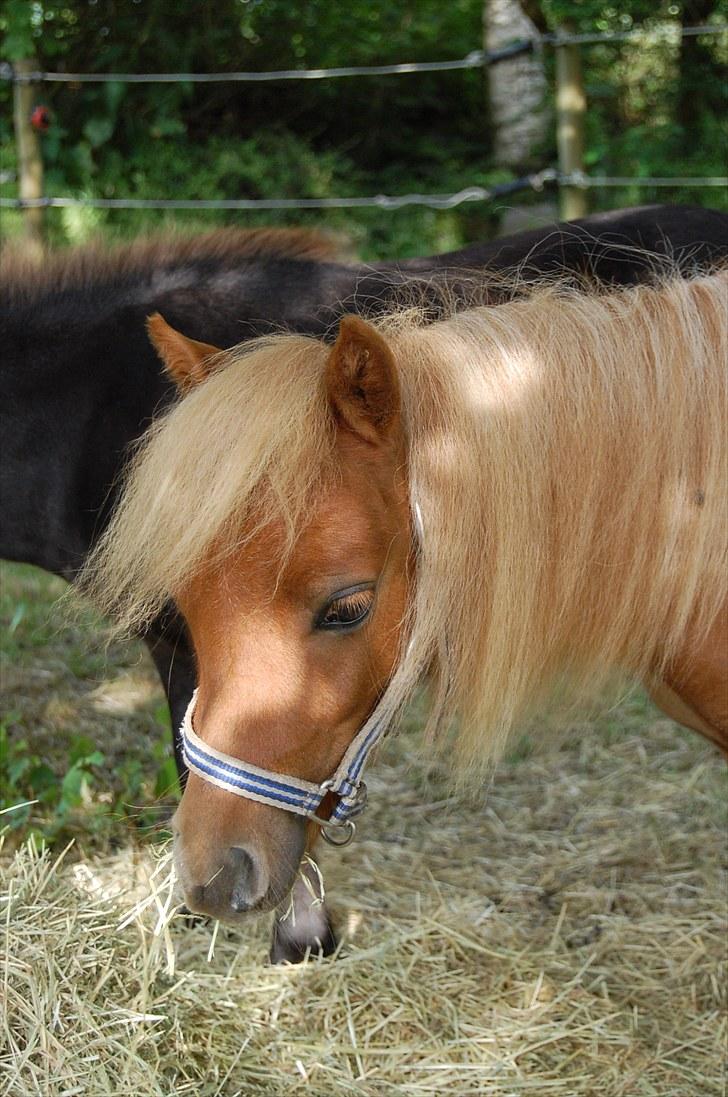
(516,88)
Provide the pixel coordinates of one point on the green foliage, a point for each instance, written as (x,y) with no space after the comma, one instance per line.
(16,25)
(655,109)
(88,769)
(28,783)
(34,799)
(652,111)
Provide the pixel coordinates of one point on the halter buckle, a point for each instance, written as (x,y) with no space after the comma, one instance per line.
(340,833)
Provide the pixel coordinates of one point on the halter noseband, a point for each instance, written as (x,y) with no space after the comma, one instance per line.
(291,793)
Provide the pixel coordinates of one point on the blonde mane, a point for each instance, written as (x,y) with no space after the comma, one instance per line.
(568,455)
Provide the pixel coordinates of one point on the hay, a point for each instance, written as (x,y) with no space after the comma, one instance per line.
(564,936)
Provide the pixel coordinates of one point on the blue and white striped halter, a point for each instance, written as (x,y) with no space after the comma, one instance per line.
(291,793)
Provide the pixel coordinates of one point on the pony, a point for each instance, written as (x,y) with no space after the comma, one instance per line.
(80,380)
(509,501)
(72,329)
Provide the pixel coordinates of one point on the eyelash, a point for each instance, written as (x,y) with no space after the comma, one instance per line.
(346,611)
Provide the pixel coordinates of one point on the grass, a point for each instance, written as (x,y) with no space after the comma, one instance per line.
(562,933)
(84,728)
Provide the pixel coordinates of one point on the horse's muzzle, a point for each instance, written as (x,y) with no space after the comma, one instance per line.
(238,886)
(238,881)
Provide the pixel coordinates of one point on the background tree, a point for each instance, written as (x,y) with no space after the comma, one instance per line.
(517,88)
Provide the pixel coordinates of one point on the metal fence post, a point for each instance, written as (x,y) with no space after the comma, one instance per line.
(570,116)
(30,158)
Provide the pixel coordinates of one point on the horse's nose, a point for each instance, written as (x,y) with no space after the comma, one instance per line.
(238,885)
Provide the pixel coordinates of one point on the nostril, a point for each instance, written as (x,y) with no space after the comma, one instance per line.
(240,860)
(243,893)
(239,901)
(196,896)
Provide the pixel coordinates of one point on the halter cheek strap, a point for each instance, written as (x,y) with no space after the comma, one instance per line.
(290,793)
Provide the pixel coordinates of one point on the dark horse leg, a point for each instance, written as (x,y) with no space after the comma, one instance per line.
(302,926)
(176,667)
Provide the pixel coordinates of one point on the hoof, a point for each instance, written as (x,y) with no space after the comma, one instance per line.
(290,947)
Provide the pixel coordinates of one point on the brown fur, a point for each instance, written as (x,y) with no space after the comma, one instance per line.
(697,676)
(361,379)
(272,688)
(187,361)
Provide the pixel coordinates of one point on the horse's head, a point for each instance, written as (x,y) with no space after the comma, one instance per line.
(295,643)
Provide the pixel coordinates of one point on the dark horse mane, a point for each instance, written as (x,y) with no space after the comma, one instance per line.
(26,277)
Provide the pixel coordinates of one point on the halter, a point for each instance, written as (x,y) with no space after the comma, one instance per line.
(291,793)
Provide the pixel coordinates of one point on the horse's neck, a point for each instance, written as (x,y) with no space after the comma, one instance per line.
(79,383)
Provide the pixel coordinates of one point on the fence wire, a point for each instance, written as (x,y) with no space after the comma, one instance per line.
(475,59)
(381,201)
(579,179)
(667,32)
(536,182)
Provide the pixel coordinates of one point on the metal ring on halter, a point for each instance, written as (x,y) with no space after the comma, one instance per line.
(326,786)
(328,830)
(345,830)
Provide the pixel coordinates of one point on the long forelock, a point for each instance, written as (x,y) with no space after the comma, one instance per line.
(248,446)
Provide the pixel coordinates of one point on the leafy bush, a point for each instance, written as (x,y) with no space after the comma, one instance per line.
(26,781)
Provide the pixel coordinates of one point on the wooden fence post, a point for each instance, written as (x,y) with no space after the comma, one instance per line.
(30,159)
(570,115)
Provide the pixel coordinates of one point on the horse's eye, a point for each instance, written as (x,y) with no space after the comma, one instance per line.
(346,610)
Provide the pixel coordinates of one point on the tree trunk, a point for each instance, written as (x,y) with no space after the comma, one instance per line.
(517,88)
(30,159)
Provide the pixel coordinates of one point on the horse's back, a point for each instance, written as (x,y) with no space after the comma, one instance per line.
(618,245)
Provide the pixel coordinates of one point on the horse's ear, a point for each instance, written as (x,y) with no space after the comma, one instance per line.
(361,381)
(187,361)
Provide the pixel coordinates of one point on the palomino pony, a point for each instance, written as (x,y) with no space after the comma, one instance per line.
(505,501)
(80,381)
